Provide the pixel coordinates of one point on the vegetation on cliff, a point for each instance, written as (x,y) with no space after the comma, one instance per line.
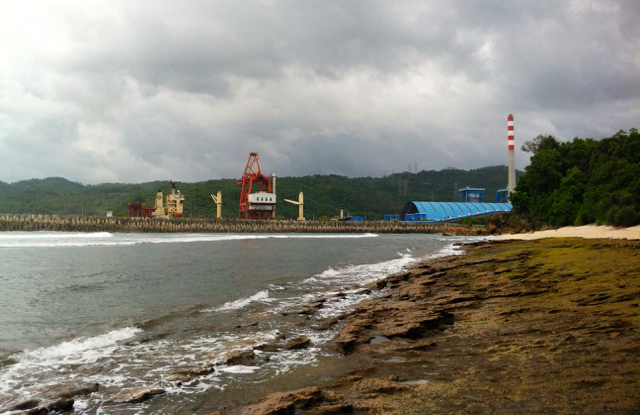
(580,182)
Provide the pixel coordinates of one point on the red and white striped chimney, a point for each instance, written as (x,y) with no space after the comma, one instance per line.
(511,184)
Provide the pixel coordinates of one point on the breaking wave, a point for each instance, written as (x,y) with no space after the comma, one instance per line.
(80,350)
(79,239)
(243,302)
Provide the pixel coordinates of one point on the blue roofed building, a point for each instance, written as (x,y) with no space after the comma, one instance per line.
(448,211)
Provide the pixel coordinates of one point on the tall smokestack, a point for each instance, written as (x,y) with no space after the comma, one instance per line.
(511,184)
(273,190)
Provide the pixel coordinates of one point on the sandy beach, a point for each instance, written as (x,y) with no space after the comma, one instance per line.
(587,232)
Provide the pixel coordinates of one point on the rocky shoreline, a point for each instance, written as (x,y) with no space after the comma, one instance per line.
(548,326)
(537,327)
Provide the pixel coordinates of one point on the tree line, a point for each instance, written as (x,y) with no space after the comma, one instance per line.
(581,182)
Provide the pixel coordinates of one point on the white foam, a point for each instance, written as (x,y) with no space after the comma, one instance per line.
(55,364)
(359,275)
(80,239)
(238,369)
(365,273)
(82,349)
(241,303)
(345,279)
(48,239)
(331,236)
(54,235)
(453,249)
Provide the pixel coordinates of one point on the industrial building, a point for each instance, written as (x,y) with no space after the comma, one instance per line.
(502,196)
(471,195)
(448,211)
(472,201)
(476,195)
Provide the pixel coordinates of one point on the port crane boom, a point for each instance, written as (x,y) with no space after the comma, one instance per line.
(260,205)
(300,204)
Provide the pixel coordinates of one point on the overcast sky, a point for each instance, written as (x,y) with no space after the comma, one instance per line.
(135,91)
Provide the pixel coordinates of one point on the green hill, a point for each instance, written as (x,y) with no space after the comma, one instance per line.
(324,195)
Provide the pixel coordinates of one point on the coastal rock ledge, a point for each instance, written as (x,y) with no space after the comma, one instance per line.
(135,395)
(529,327)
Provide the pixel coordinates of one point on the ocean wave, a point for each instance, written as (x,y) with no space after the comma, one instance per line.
(349,279)
(55,239)
(362,274)
(81,350)
(53,235)
(454,247)
(329,236)
(54,364)
(241,303)
(346,280)
(79,239)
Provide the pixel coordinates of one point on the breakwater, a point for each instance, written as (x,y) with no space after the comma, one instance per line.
(76,223)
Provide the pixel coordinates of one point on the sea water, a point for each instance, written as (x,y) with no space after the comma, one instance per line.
(126,310)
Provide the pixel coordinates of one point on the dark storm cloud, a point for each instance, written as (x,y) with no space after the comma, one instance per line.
(132,91)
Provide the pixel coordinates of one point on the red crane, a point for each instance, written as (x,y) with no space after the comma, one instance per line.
(259,205)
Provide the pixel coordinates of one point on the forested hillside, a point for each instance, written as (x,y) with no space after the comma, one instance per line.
(580,182)
(323,195)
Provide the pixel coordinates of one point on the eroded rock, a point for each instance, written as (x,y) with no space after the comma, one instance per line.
(285,403)
(70,392)
(21,406)
(297,343)
(240,357)
(353,334)
(379,385)
(62,404)
(135,395)
(330,409)
(268,347)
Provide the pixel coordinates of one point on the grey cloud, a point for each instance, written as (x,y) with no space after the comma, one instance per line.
(355,88)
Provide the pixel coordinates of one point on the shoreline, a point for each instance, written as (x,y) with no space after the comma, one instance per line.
(167,348)
(544,326)
(431,315)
